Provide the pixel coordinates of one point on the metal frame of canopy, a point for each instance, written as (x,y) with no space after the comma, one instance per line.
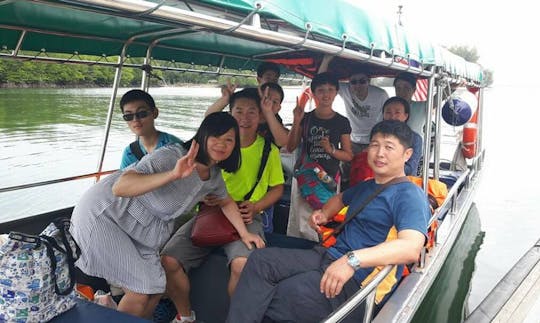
(169,24)
(107,21)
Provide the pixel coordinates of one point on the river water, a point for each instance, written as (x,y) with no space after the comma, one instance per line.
(56,133)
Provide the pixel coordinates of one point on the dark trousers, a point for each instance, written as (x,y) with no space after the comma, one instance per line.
(283,285)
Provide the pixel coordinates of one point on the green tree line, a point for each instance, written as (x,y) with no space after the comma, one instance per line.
(15,73)
(471,54)
(28,73)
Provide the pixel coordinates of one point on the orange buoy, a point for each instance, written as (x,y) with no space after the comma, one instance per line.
(470,134)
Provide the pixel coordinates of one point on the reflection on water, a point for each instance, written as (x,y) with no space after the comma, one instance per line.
(451,287)
(36,109)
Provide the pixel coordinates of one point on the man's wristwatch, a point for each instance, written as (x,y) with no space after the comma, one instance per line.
(353,261)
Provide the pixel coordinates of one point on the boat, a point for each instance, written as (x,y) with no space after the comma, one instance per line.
(218,37)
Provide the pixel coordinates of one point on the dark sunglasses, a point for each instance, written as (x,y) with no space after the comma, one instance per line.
(140,115)
(361,81)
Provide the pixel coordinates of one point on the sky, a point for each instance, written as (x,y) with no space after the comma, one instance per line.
(505,33)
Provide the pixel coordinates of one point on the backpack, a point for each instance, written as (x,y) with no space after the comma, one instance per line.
(312,189)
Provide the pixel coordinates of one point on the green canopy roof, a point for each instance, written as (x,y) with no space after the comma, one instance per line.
(234,34)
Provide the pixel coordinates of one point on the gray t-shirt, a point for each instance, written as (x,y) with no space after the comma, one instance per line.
(363,115)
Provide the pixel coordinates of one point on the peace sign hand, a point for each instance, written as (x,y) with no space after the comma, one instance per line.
(228,89)
(298,112)
(266,101)
(185,165)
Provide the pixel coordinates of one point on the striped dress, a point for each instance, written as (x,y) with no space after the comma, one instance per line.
(120,238)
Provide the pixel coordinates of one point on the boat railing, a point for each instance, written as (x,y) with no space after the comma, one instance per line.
(96,175)
(368,293)
(476,162)
(450,200)
(449,205)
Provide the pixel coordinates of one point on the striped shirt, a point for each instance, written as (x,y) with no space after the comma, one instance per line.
(120,237)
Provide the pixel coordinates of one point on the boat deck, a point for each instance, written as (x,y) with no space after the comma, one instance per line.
(516,298)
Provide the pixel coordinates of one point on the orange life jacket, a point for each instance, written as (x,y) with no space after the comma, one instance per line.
(437,191)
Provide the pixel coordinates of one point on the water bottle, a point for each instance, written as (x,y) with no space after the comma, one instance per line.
(325,178)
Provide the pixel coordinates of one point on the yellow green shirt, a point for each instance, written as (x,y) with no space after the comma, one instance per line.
(240,183)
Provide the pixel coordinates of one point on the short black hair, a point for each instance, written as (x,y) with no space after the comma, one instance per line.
(407,77)
(360,69)
(268,66)
(137,95)
(275,87)
(324,78)
(396,99)
(247,93)
(394,128)
(214,125)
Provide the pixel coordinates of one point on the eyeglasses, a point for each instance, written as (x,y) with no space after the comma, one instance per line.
(360,81)
(139,115)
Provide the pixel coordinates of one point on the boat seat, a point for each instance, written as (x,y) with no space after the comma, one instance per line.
(449,178)
(88,312)
(209,298)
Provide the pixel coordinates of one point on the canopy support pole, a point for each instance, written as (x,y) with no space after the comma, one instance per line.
(480,121)
(427,132)
(438,129)
(19,43)
(116,83)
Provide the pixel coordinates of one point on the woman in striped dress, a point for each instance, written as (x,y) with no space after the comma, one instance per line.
(123,221)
